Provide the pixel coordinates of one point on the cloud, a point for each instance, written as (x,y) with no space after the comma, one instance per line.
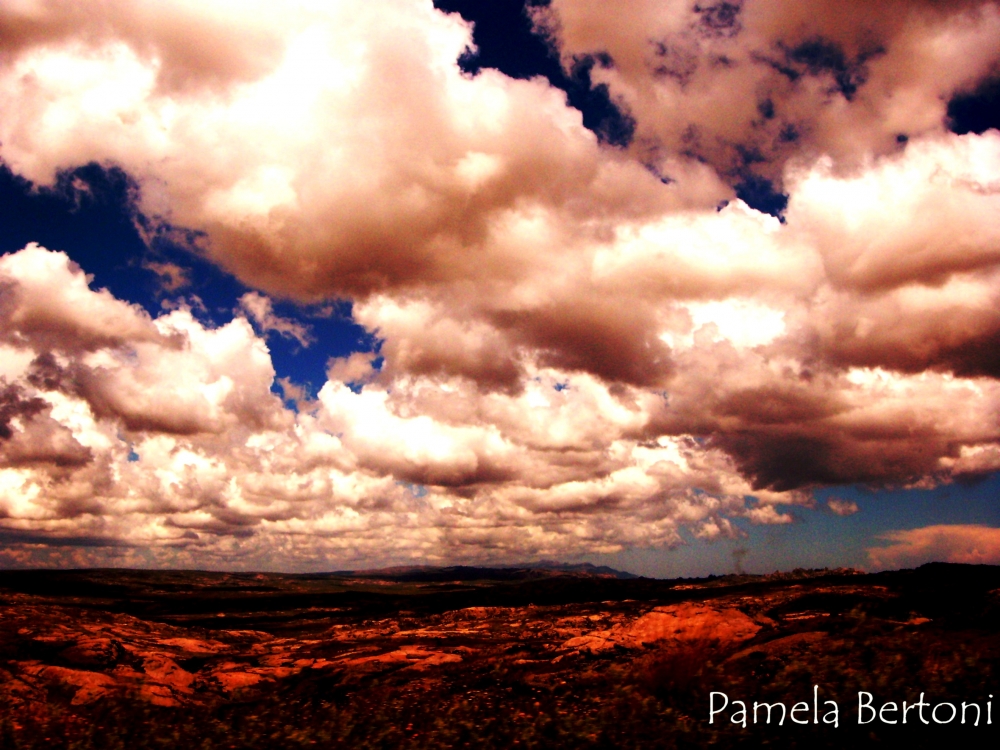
(172,277)
(354,368)
(750,86)
(913,287)
(568,461)
(29,435)
(972,544)
(575,355)
(417,144)
(842,507)
(46,303)
(166,437)
(261,311)
(168,375)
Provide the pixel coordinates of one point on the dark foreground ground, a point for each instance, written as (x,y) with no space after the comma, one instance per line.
(476,658)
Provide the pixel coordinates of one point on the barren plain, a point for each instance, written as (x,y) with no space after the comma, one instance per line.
(478,657)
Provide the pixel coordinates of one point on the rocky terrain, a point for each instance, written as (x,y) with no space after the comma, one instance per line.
(466,657)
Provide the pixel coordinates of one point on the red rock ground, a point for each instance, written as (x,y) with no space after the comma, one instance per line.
(197,642)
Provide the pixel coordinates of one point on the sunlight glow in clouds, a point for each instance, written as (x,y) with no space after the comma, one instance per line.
(576,356)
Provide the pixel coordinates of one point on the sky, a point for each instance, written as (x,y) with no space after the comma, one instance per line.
(681,288)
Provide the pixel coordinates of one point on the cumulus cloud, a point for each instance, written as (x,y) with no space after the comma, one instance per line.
(356,158)
(168,375)
(959,543)
(166,437)
(28,434)
(47,304)
(574,355)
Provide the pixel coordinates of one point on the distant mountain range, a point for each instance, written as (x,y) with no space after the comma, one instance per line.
(514,572)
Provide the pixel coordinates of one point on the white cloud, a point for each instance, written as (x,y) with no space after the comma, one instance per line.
(959,543)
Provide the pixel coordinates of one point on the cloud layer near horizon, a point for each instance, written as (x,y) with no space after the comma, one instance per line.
(958,543)
(577,357)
